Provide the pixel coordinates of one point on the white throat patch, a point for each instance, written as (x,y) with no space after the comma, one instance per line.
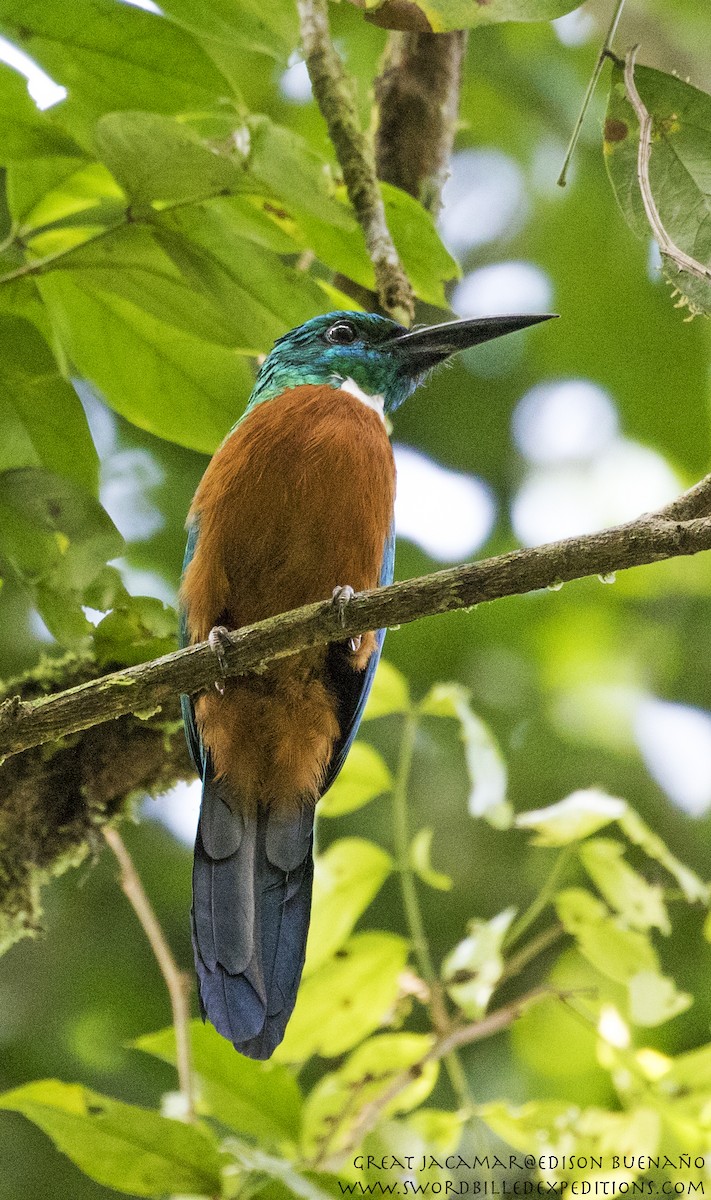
(375,402)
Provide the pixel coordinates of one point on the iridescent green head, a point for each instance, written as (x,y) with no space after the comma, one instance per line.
(380,356)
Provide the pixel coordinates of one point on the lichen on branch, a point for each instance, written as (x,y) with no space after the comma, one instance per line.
(334,91)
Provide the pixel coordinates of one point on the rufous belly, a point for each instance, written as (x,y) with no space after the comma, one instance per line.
(296,502)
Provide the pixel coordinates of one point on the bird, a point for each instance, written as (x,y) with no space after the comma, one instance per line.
(295,506)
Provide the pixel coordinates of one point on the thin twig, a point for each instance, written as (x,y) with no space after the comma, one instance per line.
(176,981)
(144,688)
(516,963)
(667,247)
(597,70)
(335,94)
(543,898)
(413,913)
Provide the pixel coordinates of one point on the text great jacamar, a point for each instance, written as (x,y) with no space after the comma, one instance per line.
(295,506)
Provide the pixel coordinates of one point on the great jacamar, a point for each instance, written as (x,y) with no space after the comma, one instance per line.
(296,506)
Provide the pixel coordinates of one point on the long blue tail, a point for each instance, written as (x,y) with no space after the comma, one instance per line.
(252,879)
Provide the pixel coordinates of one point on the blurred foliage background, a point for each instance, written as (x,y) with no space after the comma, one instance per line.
(571,426)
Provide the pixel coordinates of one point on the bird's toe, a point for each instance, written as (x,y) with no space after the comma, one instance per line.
(218,640)
(342,596)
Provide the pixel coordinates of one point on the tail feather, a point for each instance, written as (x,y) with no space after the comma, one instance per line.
(252,880)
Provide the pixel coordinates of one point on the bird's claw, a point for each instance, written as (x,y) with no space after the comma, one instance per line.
(218,640)
(342,596)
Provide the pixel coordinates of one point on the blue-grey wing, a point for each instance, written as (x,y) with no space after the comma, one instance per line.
(191,734)
(353,687)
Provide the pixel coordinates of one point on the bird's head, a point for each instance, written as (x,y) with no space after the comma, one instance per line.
(383,358)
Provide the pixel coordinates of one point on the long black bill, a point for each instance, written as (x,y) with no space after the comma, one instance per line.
(434,343)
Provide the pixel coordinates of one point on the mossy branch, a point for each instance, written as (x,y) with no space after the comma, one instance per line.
(334,91)
(682,528)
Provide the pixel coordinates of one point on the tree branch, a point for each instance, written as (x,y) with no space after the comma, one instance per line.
(334,91)
(417,95)
(145,688)
(54,799)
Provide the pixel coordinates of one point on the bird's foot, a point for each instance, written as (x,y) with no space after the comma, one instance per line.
(342,597)
(218,640)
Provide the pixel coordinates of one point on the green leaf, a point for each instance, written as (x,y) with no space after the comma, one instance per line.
(473,969)
(131,1149)
(55,538)
(641,835)
(624,955)
(426,260)
(157,158)
(265,297)
(420,860)
(572,819)
(246,25)
(106,591)
(586,811)
(485,762)
(59,191)
(654,999)
(389,693)
(165,381)
(286,164)
(285,1180)
(25,132)
(42,420)
(131,264)
(346,999)
(691,1072)
(137,630)
(616,952)
(257,1099)
(259,220)
(441,16)
(364,776)
(333,1107)
(678,169)
(114,57)
(346,878)
(639,903)
(342,248)
(550,1127)
(408,1156)
(439,1129)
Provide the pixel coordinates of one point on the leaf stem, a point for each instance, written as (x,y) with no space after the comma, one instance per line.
(38,265)
(543,898)
(516,963)
(402,851)
(604,53)
(176,981)
(413,912)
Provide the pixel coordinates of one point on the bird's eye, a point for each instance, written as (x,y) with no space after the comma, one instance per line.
(341,334)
